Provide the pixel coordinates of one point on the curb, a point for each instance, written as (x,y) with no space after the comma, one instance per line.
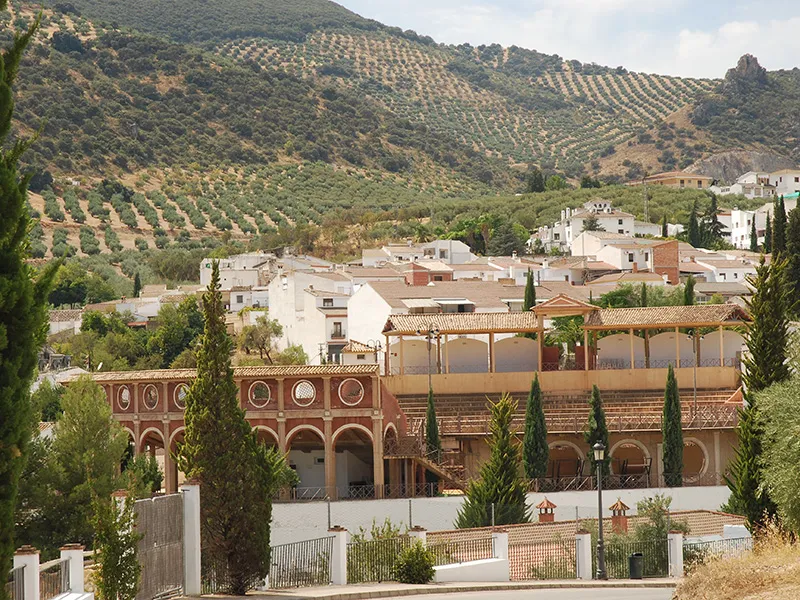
(462,589)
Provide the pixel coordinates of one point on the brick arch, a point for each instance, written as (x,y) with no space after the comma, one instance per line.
(144,434)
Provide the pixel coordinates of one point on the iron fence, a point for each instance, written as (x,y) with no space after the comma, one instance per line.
(301,564)
(459,551)
(358,492)
(699,553)
(372,561)
(215,576)
(53,578)
(15,584)
(543,560)
(655,557)
(159,521)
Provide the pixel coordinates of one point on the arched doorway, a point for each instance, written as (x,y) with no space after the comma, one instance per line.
(152,443)
(355,467)
(305,445)
(630,460)
(566,461)
(266,436)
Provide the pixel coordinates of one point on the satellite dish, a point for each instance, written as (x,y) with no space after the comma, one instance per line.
(100,366)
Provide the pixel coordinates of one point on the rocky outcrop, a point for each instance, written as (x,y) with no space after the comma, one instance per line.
(746,70)
(727,166)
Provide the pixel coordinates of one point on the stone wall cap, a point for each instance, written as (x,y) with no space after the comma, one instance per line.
(80,547)
(191,481)
(337,528)
(417,528)
(25,550)
(119,494)
(582,532)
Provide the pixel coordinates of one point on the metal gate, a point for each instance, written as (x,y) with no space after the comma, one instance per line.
(160,522)
(301,564)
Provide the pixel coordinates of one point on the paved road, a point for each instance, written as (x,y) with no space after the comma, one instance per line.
(573,594)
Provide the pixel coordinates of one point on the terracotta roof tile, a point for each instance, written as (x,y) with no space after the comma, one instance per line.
(355,347)
(238,372)
(545,504)
(463,323)
(64,316)
(619,505)
(666,316)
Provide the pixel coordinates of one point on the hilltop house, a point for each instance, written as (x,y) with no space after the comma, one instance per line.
(451,252)
(676,179)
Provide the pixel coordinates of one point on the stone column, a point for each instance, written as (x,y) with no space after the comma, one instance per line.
(717,459)
(418,533)
(378,475)
(585,350)
(721,347)
(339,555)
(492,365)
(583,558)
(677,348)
(74,554)
(191,538)
(330,458)
(500,544)
(170,468)
(400,355)
(28,557)
(633,353)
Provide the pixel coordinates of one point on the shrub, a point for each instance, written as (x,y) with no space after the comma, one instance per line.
(415,564)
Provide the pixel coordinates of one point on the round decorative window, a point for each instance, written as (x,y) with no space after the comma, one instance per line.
(259,394)
(180,395)
(150,397)
(351,392)
(303,393)
(124,398)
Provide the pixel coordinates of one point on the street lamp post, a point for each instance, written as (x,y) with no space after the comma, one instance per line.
(599,454)
(375,346)
(429,335)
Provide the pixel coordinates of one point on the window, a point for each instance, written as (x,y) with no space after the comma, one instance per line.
(797,179)
(361,357)
(646,256)
(630,256)
(683,183)
(327,302)
(699,184)
(442,253)
(239,299)
(619,221)
(556,236)
(736,276)
(566,277)
(722,276)
(620,231)
(438,278)
(337,329)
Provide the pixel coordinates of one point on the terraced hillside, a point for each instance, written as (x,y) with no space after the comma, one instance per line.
(559,119)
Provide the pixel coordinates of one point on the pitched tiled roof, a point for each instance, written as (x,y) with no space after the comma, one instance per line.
(485,294)
(704,315)
(625,277)
(619,505)
(238,372)
(462,323)
(354,347)
(64,316)
(545,504)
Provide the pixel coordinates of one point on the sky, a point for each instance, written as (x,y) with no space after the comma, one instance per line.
(687,38)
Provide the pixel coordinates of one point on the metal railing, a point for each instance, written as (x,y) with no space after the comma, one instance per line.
(216,578)
(372,561)
(655,557)
(358,492)
(460,551)
(301,564)
(699,553)
(15,584)
(543,560)
(53,578)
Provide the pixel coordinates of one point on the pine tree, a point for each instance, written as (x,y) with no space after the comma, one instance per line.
(535,451)
(137,285)
(592,223)
(433,442)
(711,233)
(768,235)
(222,452)
(535,182)
(764,364)
(672,433)
(693,230)
(753,235)
(688,291)
(793,253)
(500,483)
(779,228)
(597,430)
(23,316)
(664,228)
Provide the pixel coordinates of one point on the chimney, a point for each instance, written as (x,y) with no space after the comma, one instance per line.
(619,517)
(514,255)
(546,509)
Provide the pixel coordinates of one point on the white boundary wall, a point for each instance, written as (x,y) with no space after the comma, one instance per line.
(293,522)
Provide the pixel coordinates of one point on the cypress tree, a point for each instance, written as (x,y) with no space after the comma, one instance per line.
(23,314)
(529,300)
(688,291)
(500,482)
(535,452)
(764,364)
(597,431)
(693,230)
(643,295)
(711,232)
(664,228)
(779,228)
(793,253)
(221,451)
(672,432)
(768,235)
(137,285)
(753,235)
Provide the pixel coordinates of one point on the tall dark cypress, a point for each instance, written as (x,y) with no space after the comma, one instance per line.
(688,291)
(768,235)
(764,364)
(597,431)
(664,228)
(529,300)
(432,439)
(220,450)
(694,234)
(753,235)
(793,253)
(779,228)
(535,451)
(137,285)
(23,313)
(672,433)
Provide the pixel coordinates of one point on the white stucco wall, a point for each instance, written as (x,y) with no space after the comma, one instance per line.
(467,356)
(515,354)
(662,346)
(308,520)
(617,347)
(367,313)
(732,344)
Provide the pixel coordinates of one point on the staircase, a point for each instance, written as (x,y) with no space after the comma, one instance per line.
(448,466)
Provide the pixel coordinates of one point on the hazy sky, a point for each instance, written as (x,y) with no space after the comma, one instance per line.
(692,38)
